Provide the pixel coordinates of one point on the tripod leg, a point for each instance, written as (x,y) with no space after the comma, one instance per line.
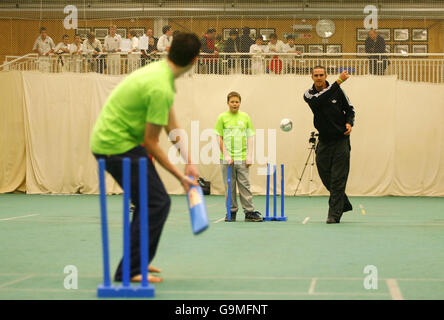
(311,172)
(303,170)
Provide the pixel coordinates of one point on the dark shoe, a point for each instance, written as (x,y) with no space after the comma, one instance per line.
(254,216)
(233,217)
(331,220)
(347,207)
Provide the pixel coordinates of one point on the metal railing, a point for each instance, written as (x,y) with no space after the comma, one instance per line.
(408,67)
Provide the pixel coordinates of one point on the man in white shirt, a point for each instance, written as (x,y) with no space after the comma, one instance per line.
(44,46)
(93,47)
(112,47)
(257,61)
(164,43)
(289,61)
(276,46)
(134,53)
(60,49)
(75,49)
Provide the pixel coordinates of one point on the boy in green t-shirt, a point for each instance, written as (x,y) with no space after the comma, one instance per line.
(136,112)
(236,132)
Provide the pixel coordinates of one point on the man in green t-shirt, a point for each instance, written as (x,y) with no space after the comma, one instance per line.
(136,112)
(236,132)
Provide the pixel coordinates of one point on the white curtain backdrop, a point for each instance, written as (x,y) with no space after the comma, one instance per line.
(397,142)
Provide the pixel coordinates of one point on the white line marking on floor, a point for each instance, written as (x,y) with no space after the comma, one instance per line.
(21,217)
(271,278)
(205,292)
(305,220)
(312,286)
(395,292)
(16,281)
(221,219)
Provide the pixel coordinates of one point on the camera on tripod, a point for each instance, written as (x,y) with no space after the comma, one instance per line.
(313,137)
(311,155)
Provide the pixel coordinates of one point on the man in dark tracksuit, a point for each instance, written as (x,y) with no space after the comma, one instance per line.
(333,118)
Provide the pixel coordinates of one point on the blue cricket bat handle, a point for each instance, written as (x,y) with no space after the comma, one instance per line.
(197,208)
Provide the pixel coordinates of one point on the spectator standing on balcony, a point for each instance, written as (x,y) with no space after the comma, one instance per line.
(75,49)
(144,52)
(43,46)
(134,53)
(376,44)
(290,47)
(112,48)
(165,40)
(209,46)
(150,34)
(245,44)
(257,65)
(61,48)
(93,47)
(151,52)
(76,46)
(232,45)
(277,46)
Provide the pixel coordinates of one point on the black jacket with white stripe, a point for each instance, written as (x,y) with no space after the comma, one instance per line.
(332,110)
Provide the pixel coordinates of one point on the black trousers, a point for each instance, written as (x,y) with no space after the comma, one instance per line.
(333,162)
(158,205)
(378,66)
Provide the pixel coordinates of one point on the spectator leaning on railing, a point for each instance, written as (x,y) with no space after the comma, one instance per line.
(209,46)
(290,47)
(376,44)
(76,46)
(165,40)
(61,48)
(277,46)
(112,47)
(232,44)
(76,49)
(134,53)
(258,61)
(152,42)
(44,46)
(93,47)
(245,44)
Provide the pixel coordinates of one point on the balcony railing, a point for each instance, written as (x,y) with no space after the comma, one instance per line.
(408,67)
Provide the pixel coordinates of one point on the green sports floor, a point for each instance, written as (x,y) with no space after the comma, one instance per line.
(303,258)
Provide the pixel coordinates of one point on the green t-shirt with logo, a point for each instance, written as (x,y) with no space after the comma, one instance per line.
(146,95)
(235,128)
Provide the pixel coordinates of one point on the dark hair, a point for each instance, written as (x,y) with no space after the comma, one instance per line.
(184,48)
(273,36)
(42,29)
(246,30)
(90,36)
(259,37)
(233,94)
(234,32)
(165,29)
(318,67)
(65,36)
(133,33)
(290,37)
(212,30)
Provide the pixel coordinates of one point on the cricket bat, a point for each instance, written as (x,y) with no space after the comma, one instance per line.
(197,208)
